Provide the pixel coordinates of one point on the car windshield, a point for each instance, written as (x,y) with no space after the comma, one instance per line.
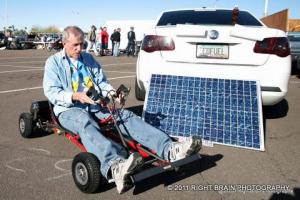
(197,17)
(294,38)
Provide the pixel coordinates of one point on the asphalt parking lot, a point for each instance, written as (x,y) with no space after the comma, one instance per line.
(39,168)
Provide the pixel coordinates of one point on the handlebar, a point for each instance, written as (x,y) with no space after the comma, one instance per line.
(122,91)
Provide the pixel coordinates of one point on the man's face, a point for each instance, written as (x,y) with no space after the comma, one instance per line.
(74,45)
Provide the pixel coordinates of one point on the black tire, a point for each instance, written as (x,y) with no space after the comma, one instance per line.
(26,125)
(298,65)
(86,172)
(139,94)
(49,47)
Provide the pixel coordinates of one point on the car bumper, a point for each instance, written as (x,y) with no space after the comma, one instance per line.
(273,80)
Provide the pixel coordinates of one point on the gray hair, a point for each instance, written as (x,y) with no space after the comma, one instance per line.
(71,30)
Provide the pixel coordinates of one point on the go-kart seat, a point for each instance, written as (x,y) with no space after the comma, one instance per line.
(74,138)
(56,122)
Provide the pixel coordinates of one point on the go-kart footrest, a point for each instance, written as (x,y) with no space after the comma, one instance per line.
(144,174)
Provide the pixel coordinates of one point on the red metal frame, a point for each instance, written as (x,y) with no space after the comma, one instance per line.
(75,139)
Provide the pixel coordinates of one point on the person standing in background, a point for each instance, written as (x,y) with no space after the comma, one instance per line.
(104,38)
(117,40)
(91,37)
(131,42)
(99,40)
(112,39)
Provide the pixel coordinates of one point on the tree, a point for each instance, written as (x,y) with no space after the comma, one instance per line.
(48,29)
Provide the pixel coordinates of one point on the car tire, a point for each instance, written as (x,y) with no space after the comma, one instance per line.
(86,172)
(26,125)
(139,93)
(298,65)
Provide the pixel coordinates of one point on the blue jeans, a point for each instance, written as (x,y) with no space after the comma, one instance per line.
(116,49)
(130,48)
(92,45)
(81,122)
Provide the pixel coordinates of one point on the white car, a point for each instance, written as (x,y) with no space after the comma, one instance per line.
(216,43)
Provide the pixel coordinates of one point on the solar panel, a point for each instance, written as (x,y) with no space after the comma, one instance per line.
(221,111)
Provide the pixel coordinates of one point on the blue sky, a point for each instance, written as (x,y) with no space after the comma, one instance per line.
(27,13)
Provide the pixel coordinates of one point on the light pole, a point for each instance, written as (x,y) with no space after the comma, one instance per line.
(6,14)
(216,1)
(266,8)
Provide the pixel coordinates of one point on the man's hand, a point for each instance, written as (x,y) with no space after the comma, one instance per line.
(121,99)
(82,97)
(113,95)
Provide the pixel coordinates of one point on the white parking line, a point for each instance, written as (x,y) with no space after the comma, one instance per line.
(19,66)
(27,57)
(40,87)
(8,64)
(117,64)
(120,77)
(41,68)
(22,66)
(295,82)
(37,61)
(120,72)
(16,71)
(18,90)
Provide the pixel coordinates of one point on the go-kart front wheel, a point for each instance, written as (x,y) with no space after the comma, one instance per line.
(26,125)
(86,172)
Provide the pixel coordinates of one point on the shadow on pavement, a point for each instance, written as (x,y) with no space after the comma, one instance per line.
(138,110)
(274,112)
(285,196)
(40,133)
(206,162)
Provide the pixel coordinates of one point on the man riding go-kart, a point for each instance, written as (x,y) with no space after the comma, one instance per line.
(84,108)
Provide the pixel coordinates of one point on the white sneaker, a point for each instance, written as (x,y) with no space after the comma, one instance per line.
(180,150)
(121,170)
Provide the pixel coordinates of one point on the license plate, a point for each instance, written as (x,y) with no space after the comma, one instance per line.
(212,51)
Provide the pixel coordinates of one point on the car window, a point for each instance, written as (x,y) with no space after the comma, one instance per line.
(294,38)
(216,17)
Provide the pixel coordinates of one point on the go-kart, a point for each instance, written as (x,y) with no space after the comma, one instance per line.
(85,166)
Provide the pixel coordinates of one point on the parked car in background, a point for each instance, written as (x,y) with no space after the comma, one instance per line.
(53,37)
(2,39)
(294,38)
(216,43)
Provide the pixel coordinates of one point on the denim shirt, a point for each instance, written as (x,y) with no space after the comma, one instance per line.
(57,81)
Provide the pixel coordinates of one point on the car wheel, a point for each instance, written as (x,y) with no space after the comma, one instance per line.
(86,172)
(139,93)
(298,65)
(26,125)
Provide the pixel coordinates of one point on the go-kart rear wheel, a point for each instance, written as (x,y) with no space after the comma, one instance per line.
(86,172)
(26,125)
